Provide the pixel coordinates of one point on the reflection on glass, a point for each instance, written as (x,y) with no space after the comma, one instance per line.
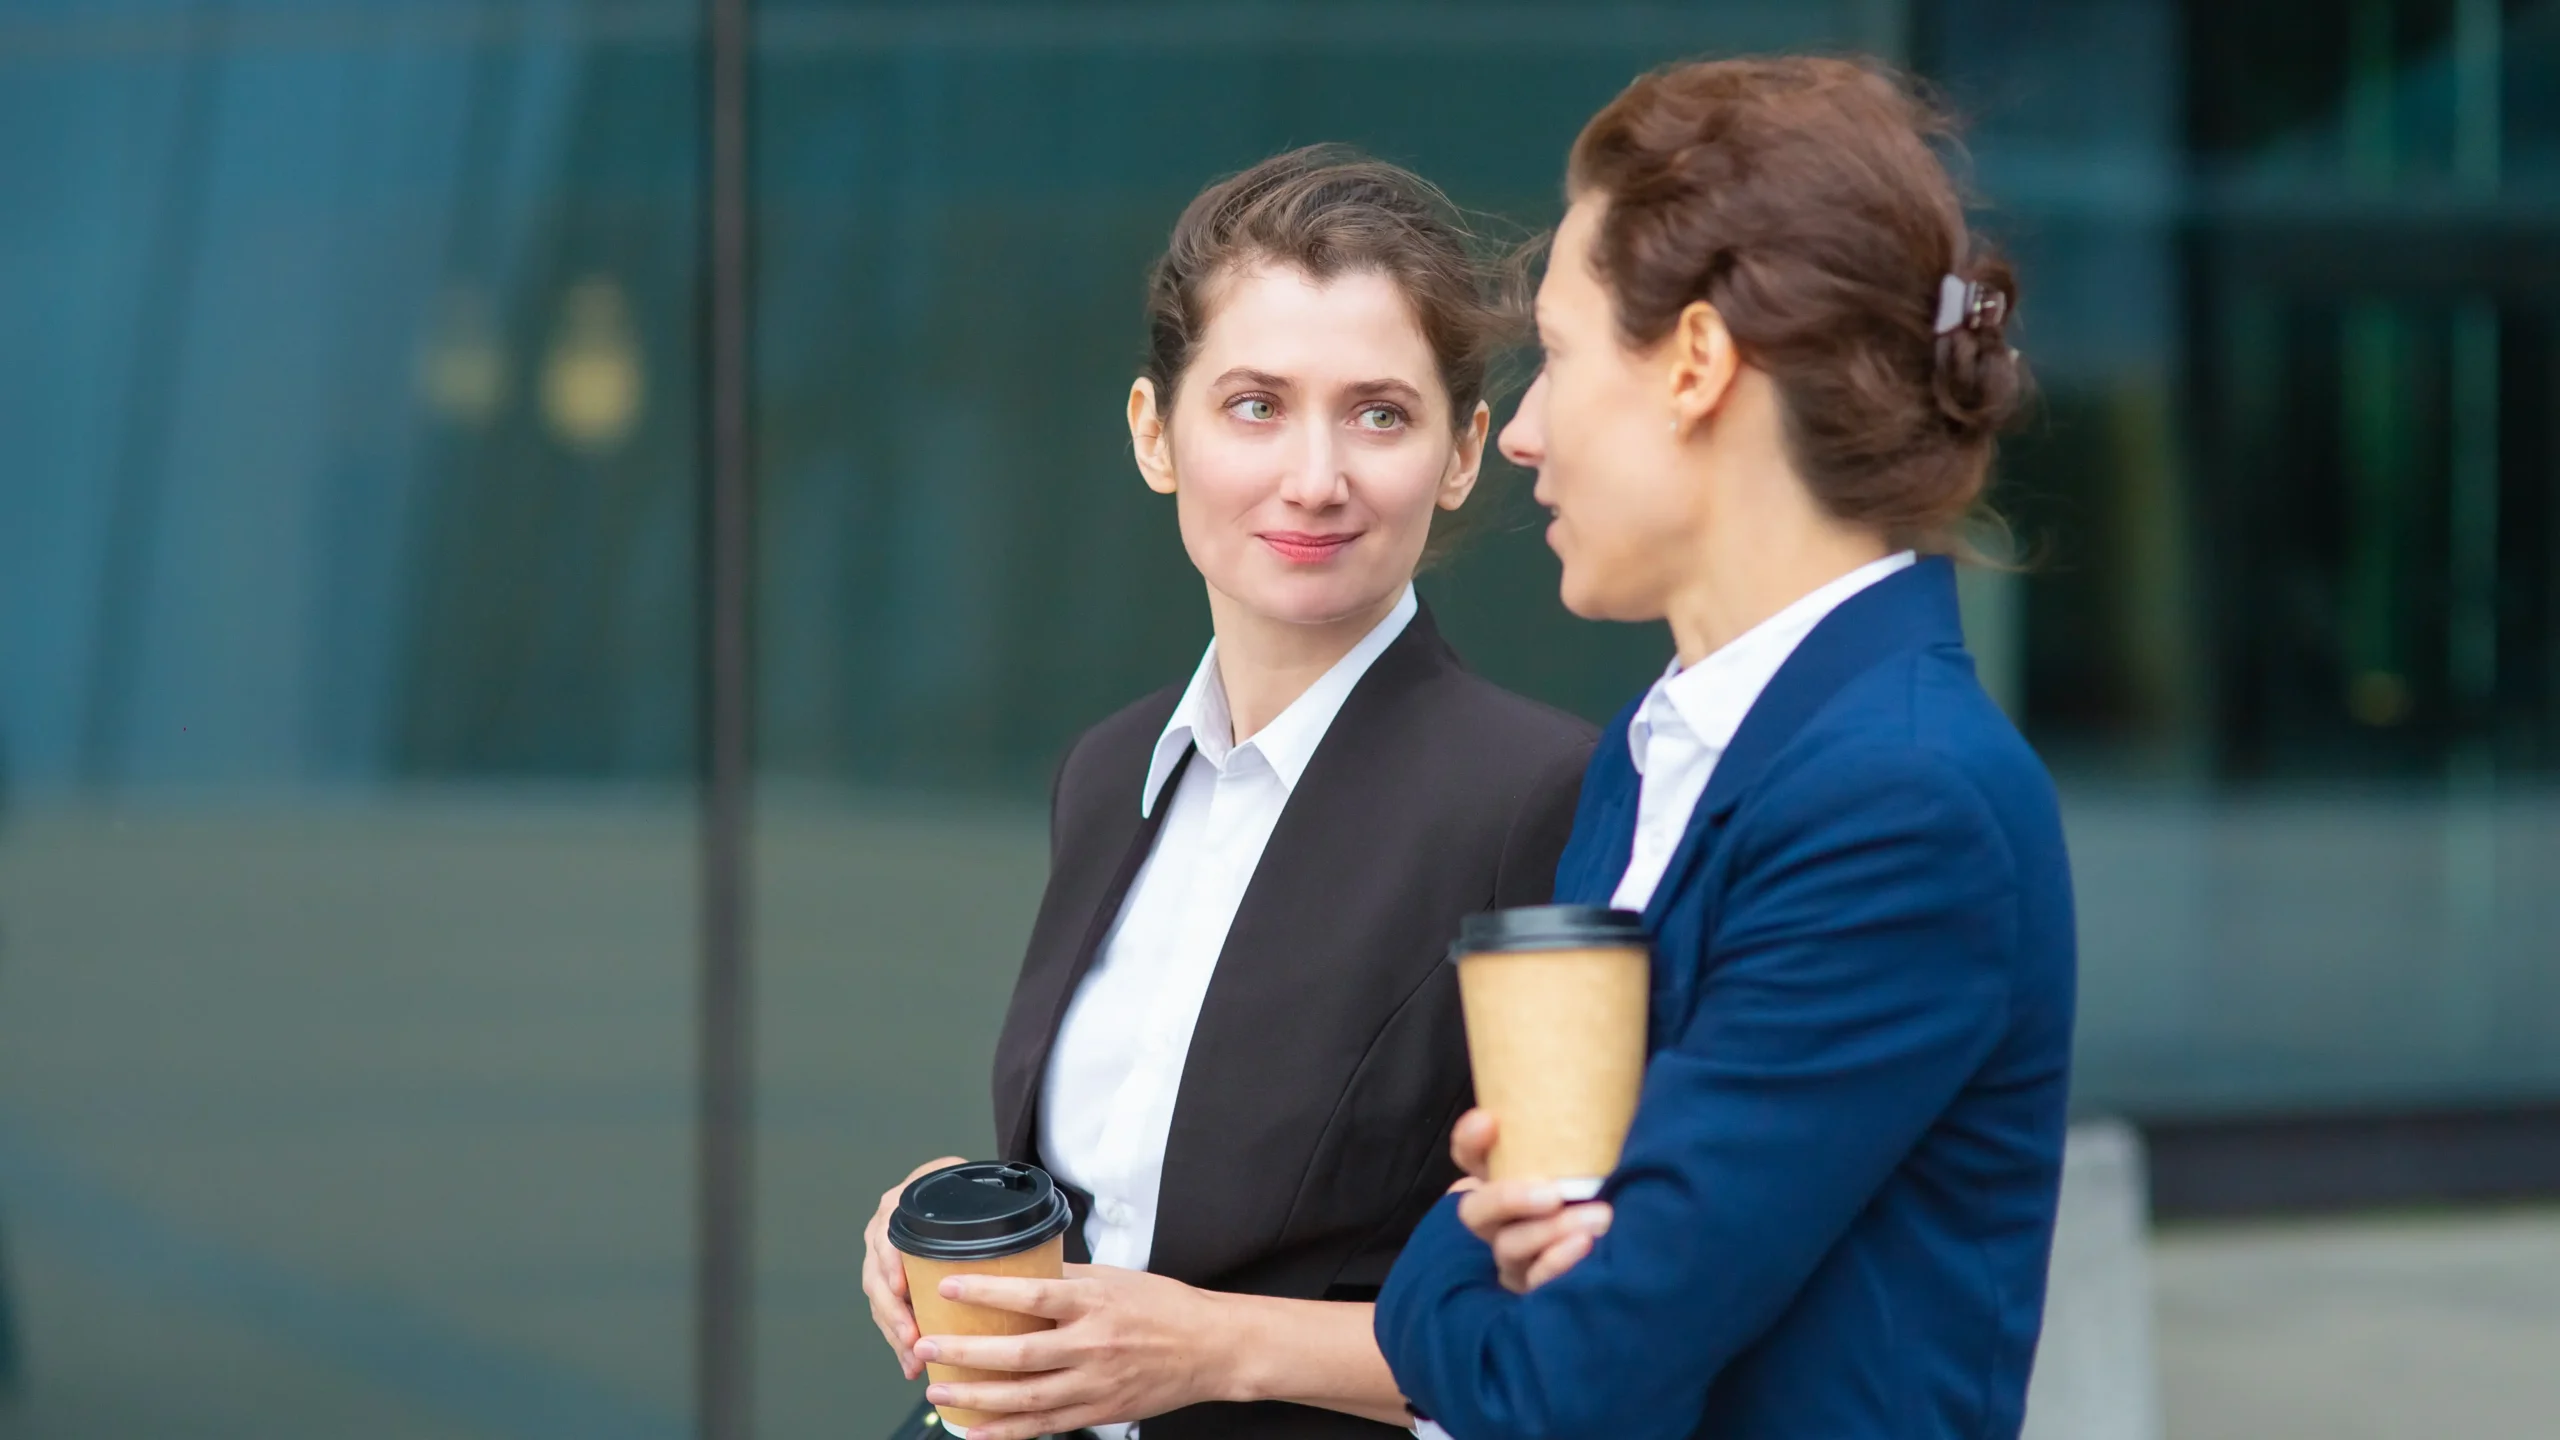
(345,703)
(592,383)
(462,367)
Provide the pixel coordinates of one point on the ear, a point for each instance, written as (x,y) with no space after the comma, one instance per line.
(1703,360)
(1147,437)
(1468,463)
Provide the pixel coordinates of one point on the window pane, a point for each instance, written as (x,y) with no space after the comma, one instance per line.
(346,615)
(2290,642)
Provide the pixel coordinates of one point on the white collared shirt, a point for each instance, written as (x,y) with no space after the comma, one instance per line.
(1107,1098)
(1690,716)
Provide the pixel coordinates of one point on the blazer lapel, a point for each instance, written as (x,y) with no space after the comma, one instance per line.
(1315,927)
(1059,976)
(1909,609)
(1604,823)
(1913,608)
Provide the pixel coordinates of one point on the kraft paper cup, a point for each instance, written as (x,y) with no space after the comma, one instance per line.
(977,1219)
(1555,999)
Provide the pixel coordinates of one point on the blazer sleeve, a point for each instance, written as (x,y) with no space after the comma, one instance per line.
(1859,977)
(1539,830)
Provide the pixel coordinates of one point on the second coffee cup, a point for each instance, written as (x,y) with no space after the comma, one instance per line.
(1555,998)
(977,1219)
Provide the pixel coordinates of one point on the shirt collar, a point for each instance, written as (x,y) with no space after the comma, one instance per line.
(1201,720)
(1710,698)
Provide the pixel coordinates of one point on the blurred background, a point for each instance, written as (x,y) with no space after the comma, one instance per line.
(351,467)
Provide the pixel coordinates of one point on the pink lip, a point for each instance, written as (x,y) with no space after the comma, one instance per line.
(1299,548)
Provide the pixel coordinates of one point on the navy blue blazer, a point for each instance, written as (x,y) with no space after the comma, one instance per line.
(1835,1207)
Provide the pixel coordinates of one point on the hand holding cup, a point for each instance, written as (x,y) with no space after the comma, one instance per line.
(1534,1233)
(1007,1221)
(1555,999)
(884,1273)
(1126,1345)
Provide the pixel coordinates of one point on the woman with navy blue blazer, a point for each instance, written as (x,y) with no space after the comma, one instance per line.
(1775,365)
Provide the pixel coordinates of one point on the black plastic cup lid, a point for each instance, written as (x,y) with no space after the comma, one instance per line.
(977,1211)
(1549,927)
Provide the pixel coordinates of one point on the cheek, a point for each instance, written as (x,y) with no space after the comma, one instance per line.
(1218,475)
(1400,484)
(1584,417)
(1594,443)
(1614,463)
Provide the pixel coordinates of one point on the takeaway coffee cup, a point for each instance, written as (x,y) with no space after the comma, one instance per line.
(1555,1005)
(977,1219)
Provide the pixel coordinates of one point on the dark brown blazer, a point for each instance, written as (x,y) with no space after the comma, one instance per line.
(1311,1129)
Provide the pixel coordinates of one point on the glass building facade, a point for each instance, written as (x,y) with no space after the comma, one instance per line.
(350,492)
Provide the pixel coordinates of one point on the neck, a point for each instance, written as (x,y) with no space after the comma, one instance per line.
(1265,663)
(1777,547)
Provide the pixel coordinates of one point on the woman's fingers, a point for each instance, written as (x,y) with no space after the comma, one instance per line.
(883,1280)
(1557,1259)
(896,1319)
(1529,1253)
(1535,1236)
(1498,1203)
(1035,1424)
(1518,1246)
(890,1311)
(1048,1299)
(1039,1350)
(884,1275)
(1005,1397)
(881,1265)
(884,1258)
(1041,1397)
(878,1252)
(1471,1141)
(896,1327)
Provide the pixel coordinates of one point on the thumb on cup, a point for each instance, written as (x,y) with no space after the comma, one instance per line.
(1471,1142)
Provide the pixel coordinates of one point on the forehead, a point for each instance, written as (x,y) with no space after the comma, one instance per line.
(1568,277)
(1278,318)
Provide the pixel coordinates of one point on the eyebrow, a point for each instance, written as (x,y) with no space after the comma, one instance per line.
(1388,386)
(1251,376)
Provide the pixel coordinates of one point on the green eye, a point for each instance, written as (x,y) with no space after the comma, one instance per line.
(1380,417)
(1254,408)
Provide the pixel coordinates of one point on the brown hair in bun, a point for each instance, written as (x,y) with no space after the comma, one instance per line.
(1803,198)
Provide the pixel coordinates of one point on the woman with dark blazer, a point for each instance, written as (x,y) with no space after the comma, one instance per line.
(1775,365)
(1235,1039)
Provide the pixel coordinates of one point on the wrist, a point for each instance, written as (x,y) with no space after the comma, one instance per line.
(1240,1350)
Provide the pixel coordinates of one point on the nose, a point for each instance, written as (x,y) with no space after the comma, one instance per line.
(1316,481)
(1524,440)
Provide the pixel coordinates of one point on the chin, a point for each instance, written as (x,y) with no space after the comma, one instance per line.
(1311,599)
(1584,605)
(1586,600)
(1589,600)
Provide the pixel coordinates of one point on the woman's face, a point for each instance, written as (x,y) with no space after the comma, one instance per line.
(1309,443)
(1601,427)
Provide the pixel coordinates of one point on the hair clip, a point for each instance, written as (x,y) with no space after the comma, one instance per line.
(1969,304)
